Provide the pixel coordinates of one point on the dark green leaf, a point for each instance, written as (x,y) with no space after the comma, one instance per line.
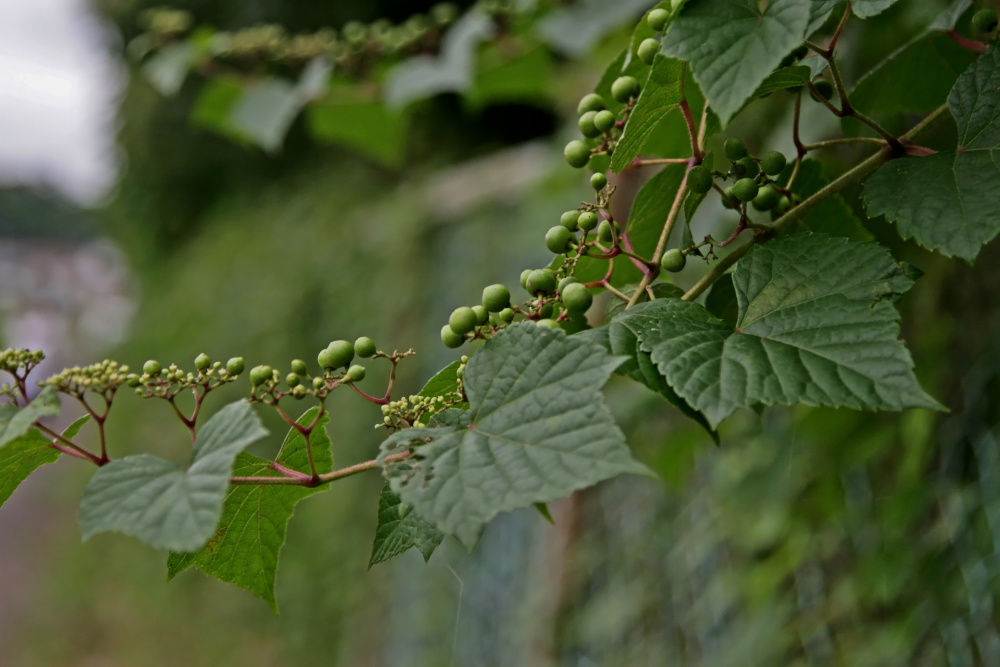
(947,201)
(247,544)
(345,117)
(400,529)
(786,77)
(15,422)
(733,45)
(537,430)
(660,95)
(500,78)
(160,502)
(833,216)
(20,458)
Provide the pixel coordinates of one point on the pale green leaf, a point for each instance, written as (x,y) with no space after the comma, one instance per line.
(816,325)
(247,544)
(15,422)
(400,529)
(265,112)
(169,66)
(575,29)
(660,95)
(537,430)
(20,458)
(733,46)
(160,502)
(786,77)
(947,201)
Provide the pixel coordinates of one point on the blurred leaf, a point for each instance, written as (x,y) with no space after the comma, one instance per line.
(450,72)
(160,502)
(786,77)
(247,544)
(264,113)
(537,430)
(525,78)
(167,69)
(400,529)
(20,458)
(576,29)
(721,301)
(15,421)
(345,117)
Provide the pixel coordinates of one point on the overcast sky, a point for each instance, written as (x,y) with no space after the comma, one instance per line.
(58,86)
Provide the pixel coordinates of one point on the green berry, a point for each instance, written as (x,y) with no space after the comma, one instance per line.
(338,353)
(598,181)
(299,366)
(605,120)
(557,239)
(784,205)
(767,198)
(738,169)
(355,373)
(625,87)
(546,309)
(482,315)
(202,362)
(824,88)
(673,260)
(496,298)
(318,383)
(524,278)
(293,379)
(605,233)
(648,49)
(450,338)
(133,380)
(152,367)
(547,323)
(577,298)
(984,21)
(772,163)
(730,200)
(745,189)
(541,280)
(568,280)
(234,366)
(657,19)
(735,149)
(587,221)
(568,220)
(577,154)
(590,102)
(507,315)
(587,127)
(364,347)
(750,167)
(463,320)
(260,374)
(700,179)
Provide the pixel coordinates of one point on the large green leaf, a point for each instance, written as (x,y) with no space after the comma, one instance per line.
(160,502)
(660,95)
(537,430)
(344,116)
(400,529)
(733,45)
(821,9)
(247,544)
(947,201)
(816,325)
(15,422)
(833,216)
(575,29)
(20,458)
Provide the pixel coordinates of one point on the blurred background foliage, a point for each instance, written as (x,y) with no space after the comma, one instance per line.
(810,536)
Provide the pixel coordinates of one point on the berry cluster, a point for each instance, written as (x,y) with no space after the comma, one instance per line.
(157,381)
(102,378)
(416,411)
(299,383)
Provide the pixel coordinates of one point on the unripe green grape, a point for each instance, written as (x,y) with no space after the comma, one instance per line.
(365,348)
(569,219)
(750,167)
(824,88)
(738,169)
(588,221)
(463,320)
(152,367)
(318,383)
(648,49)
(735,148)
(577,154)
(547,323)
(625,87)
(450,338)
(202,362)
(700,179)
(546,310)
(657,19)
(604,120)
(673,260)
(586,124)
(605,233)
(338,353)
(496,298)
(355,373)
(541,280)
(598,181)
(784,205)
(482,315)
(577,298)
(507,315)
(590,102)
(260,374)
(984,21)
(133,380)
(767,198)
(235,365)
(730,200)
(524,278)
(745,189)
(557,239)
(293,379)
(299,367)
(568,280)
(773,163)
